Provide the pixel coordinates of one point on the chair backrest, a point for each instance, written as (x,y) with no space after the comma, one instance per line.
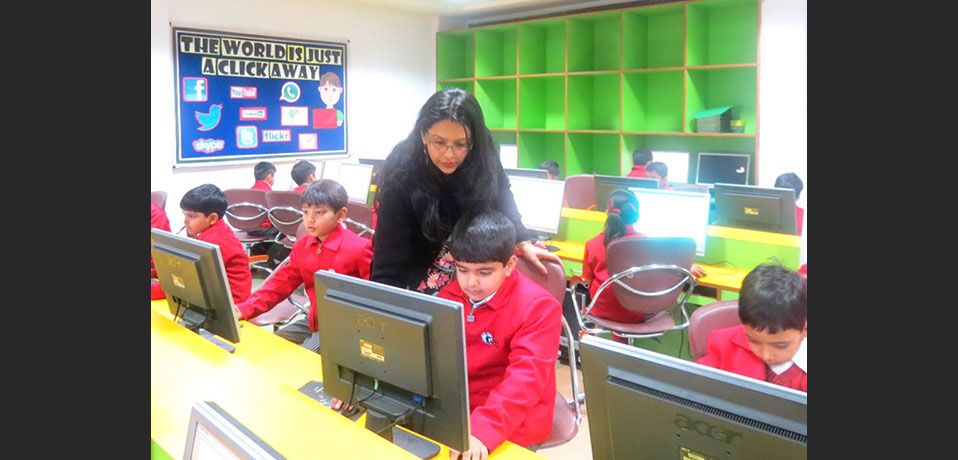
(625,253)
(360,213)
(554,281)
(159,198)
(580,191)
(246,208)
(285,212)
(707,318)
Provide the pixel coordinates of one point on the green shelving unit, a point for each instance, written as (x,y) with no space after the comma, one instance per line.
(595,42)
(542,47)
(654,37)
(542,102)
(588,153)
(504,137)
(722,32)
(455,55)
(720,87)
(536,147)
(593,102)
(497,98)
(496,51)
(652,101)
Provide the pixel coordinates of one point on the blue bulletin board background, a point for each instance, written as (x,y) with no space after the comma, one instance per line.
(242,96)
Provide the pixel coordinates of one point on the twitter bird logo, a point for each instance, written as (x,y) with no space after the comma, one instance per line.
(211,119)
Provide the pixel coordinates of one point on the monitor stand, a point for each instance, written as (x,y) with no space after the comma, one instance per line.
(193,319)
(377,421)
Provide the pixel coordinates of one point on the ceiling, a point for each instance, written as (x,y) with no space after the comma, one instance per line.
(485,9)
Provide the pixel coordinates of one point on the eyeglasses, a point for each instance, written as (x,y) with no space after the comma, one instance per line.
(442,147)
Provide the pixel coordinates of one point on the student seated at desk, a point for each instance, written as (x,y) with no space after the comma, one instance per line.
(551,167)
(660,172)
(792,181)
(622,213)
(203,208)
(158,220)
(641,159)
(263,173)
(512,337)
(328,246)
(303,174)
(771,342)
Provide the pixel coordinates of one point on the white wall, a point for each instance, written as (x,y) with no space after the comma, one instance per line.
(392,71)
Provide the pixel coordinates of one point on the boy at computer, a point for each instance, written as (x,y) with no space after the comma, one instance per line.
(552,169)
(303,174)
(660,172)
(771,342)
(641,159)
(203,208)
(512,337)
(792,181)
(327,246)
(264,172)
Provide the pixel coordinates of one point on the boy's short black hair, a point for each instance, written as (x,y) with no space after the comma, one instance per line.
(325,192)
(550,165)
(659,168)
(301,171)
(792,181)
(263,169)
(486,237)
(206,199)
(773,298)
(641,156)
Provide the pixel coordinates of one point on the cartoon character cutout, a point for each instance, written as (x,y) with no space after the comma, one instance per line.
(330,91)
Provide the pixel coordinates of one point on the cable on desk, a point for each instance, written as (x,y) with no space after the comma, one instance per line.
(397,420)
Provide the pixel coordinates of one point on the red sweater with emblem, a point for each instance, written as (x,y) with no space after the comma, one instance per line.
(728,349)
(595,271)
(638,171)
(235,259)
(343,251)
(511,350)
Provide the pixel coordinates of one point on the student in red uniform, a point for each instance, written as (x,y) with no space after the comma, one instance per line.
(203,209)
(303,174)
(552,169)
(512,337)
(792,181)
(660,172)
(157,220)
(327,246)
(264,172)
(771,342)
(641,159)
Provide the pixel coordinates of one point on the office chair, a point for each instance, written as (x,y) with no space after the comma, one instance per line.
(650,275)
(246,211)
(567,415)
(580,191)
(285,212)
(360,219)
(716,315)
(159,198)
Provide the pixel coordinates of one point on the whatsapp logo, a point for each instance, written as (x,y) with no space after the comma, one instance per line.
(290,92)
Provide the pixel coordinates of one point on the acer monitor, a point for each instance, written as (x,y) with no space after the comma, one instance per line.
(755,208)
(527,172)
(728,168)
(399,354)
(674,213)
(539,202)
(213,434)
(649,406)
(355,178)
(605,185)
(377,164)
(192,275)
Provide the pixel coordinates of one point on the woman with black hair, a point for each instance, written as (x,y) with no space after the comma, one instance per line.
(445,169)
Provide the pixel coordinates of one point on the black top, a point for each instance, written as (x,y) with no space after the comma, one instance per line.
(401,253)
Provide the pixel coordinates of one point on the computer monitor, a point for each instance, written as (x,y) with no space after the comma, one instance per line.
(648,406)
(192,274)
(213,433)
(605,185)
(678,163)
(539,202)
(674,213)
(355,178)
(399,354)
(755,208)
(509,155)
(527,172)
(378,164)
(728,168)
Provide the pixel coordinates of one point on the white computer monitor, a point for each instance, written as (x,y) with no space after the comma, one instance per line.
(678,163)
(539,202)
(509,155)
(673,213)
(727,168)
(213,434)
(355,178)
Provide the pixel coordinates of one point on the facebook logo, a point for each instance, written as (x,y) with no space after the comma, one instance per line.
(195,89)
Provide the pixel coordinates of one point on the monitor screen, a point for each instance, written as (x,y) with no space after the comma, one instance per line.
(648,406)
(605,185)
(527,172)
(213,434)
(377,167)
(727,168)
(355,178)
(191,273)
(755,208)
(509,155)
(399,354)
(674,213)
(539,202)
(678,163)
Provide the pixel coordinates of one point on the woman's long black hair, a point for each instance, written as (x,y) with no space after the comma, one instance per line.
(474,184)
(622,210)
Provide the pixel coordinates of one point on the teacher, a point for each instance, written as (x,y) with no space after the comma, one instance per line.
(445,169)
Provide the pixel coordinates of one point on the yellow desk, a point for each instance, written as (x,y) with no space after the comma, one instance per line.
(258,385)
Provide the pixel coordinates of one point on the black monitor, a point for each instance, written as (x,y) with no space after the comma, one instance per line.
(192,274)
(605,185)
(648,406)
(377,167)
(727,168)
(399,354)
(755,208)
(527,172)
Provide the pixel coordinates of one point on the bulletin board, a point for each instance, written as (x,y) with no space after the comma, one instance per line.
(254,97)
